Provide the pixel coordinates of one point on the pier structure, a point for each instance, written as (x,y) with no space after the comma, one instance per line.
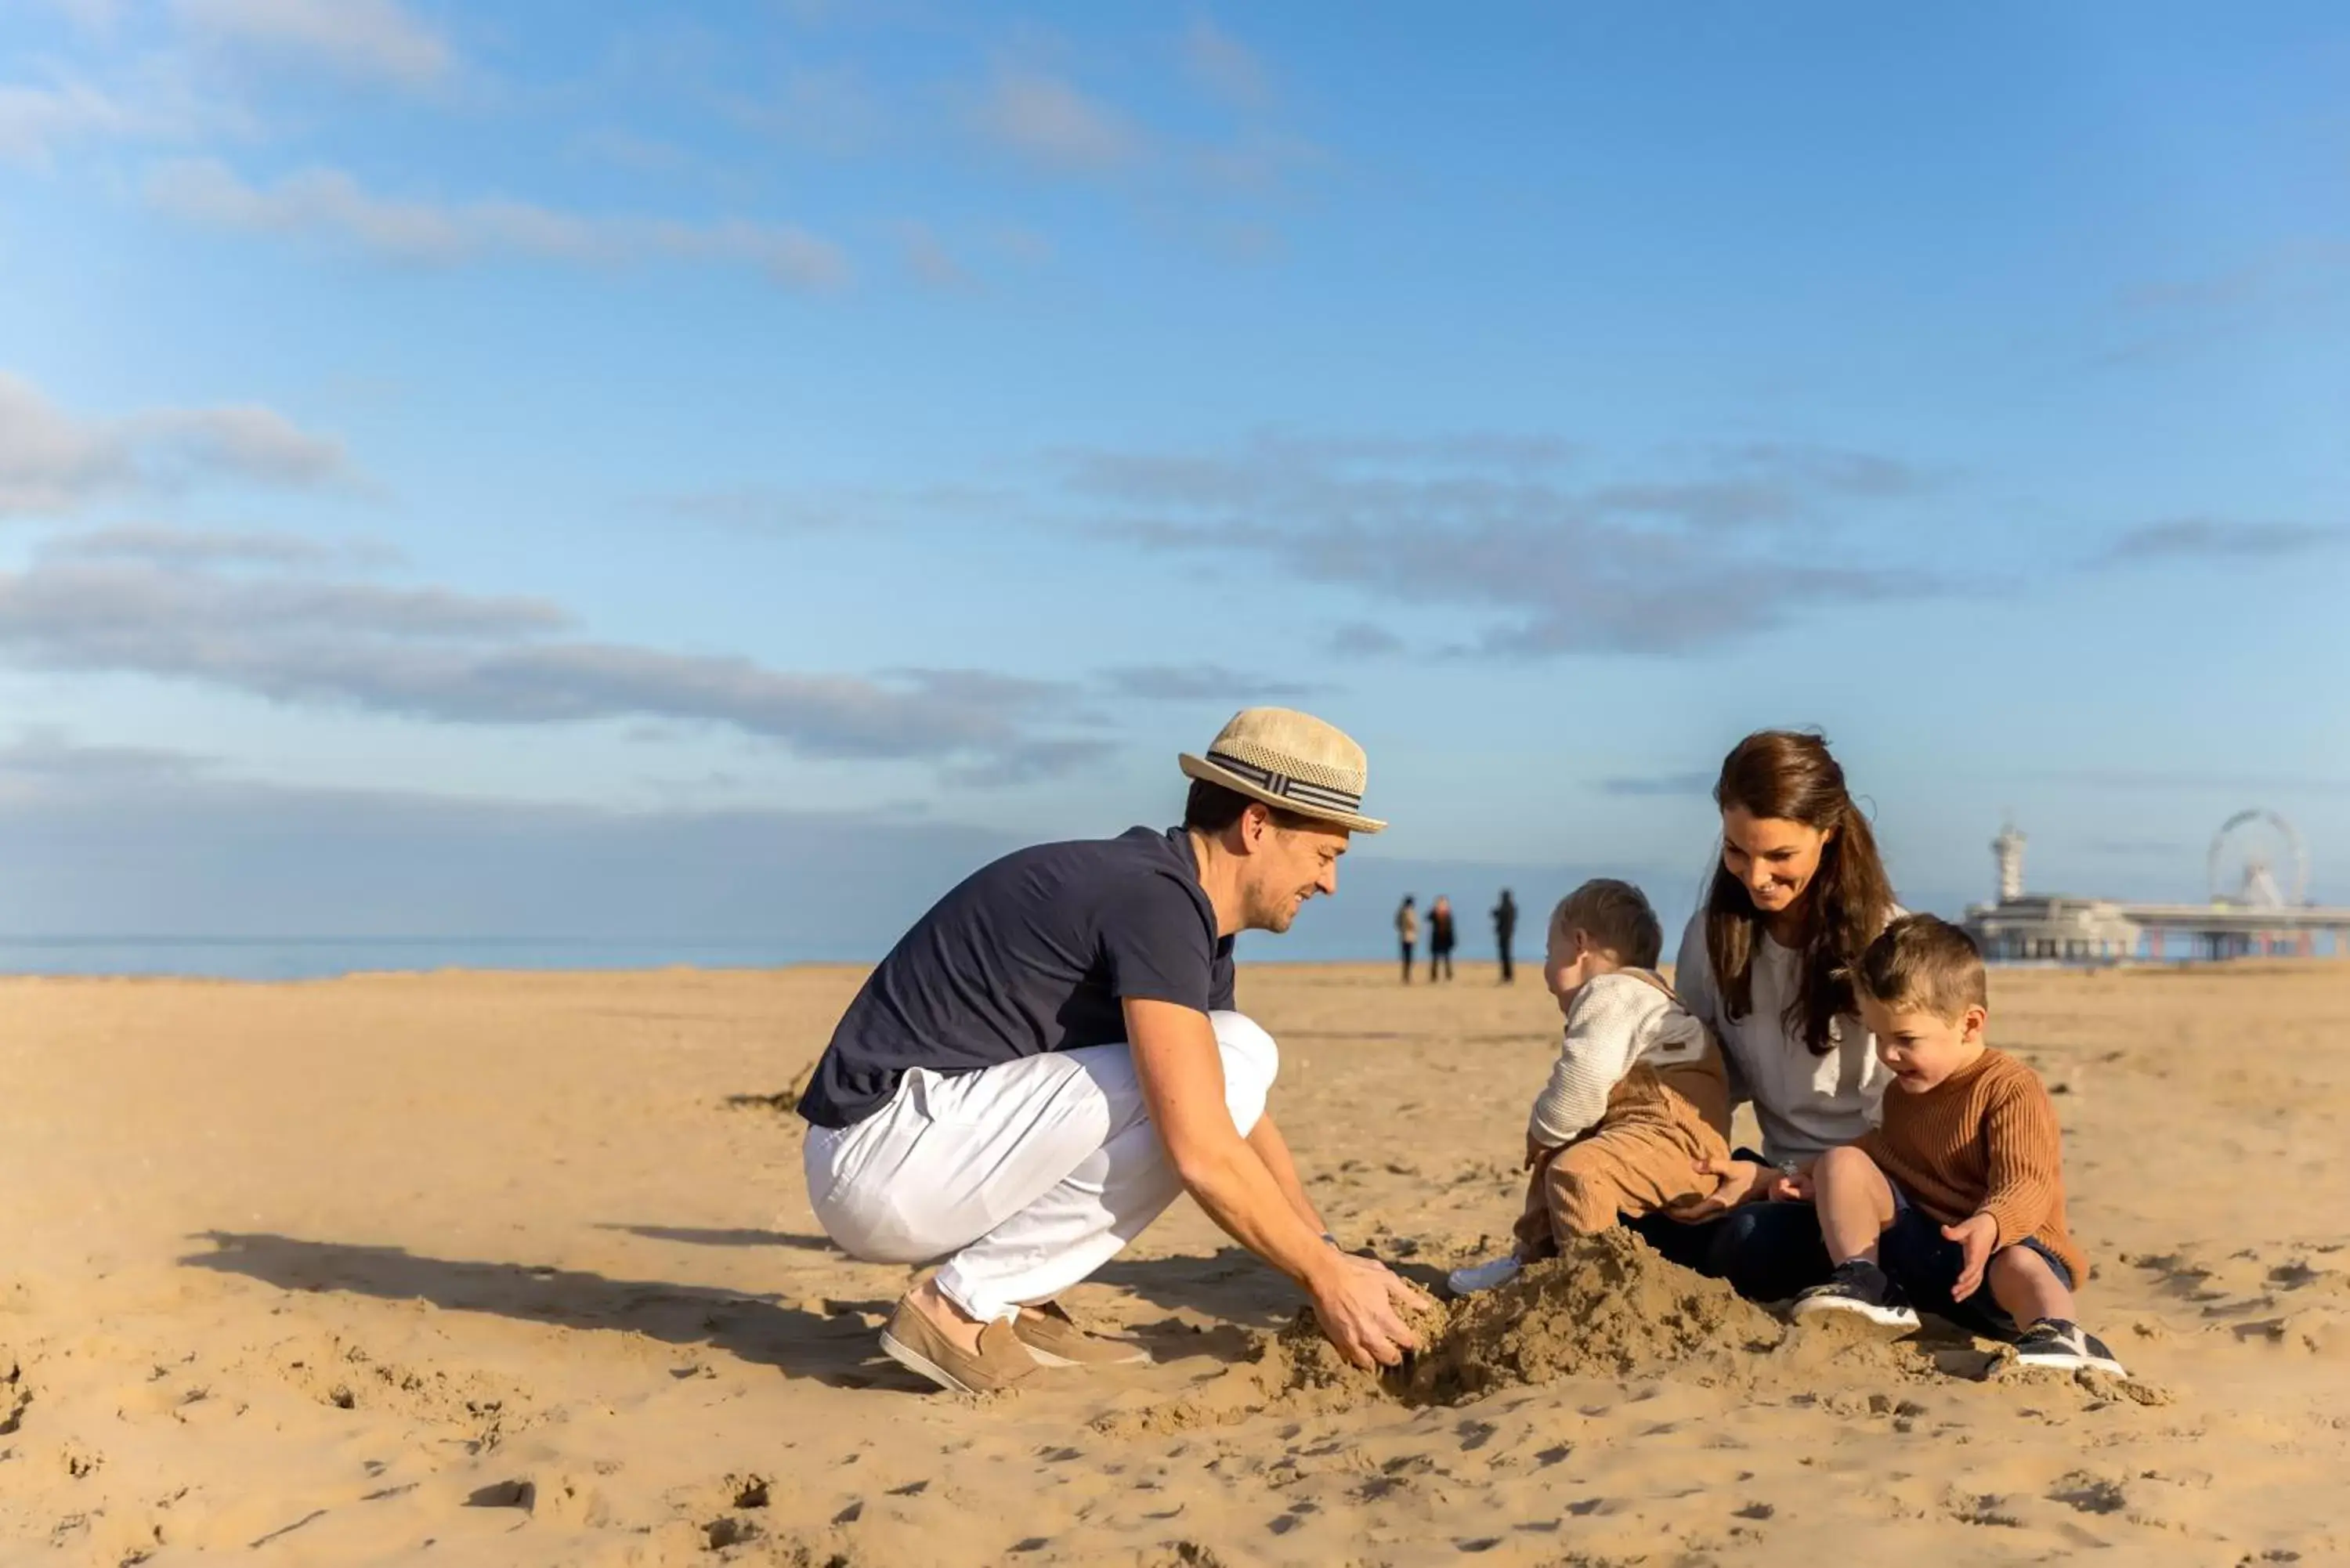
(2259,872)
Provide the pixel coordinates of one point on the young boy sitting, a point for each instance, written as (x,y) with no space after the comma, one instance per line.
(1957,1200)
(1637,1098)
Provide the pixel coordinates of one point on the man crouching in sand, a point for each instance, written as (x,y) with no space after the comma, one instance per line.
(1051,1054)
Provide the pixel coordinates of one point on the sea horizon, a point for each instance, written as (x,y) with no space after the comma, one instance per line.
(269,959)
(298,958)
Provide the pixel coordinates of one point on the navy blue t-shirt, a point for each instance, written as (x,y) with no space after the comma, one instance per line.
(1029,955)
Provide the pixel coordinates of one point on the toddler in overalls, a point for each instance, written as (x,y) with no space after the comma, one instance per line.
(1637,1098)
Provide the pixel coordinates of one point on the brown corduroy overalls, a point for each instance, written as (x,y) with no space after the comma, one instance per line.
(1639,1157)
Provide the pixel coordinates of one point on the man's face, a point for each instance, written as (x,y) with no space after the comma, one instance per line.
(1920,1048)
(1775,858)
(1287,866)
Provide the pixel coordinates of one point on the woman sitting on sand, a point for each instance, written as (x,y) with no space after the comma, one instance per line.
(1798,895)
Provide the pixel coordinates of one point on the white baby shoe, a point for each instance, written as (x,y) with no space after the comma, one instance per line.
(1483,1276)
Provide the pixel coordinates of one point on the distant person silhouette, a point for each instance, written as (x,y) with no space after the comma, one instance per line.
(1408,931)
(1440,937)
(1505,931)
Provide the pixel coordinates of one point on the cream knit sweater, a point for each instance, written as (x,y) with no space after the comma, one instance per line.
(1616,1020)
(1805,1102)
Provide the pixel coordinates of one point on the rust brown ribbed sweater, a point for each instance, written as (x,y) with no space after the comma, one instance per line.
(1983,1140)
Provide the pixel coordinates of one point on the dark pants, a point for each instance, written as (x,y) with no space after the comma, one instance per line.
(1926,1264)
(1439,959)
(1507,973)
(1768,1251)
(1406,963)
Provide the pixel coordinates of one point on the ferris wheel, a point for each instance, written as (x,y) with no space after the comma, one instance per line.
(2258,860)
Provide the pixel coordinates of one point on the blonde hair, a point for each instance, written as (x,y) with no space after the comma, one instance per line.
(1615,916)
(1925,964)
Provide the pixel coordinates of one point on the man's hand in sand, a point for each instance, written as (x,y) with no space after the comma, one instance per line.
(1977,1235)
(1538,1153)
(1736,1181)
(1360,1303)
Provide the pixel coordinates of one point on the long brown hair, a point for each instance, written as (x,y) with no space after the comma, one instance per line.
(1790,777)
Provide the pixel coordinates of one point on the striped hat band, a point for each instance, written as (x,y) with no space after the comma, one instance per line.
(1287,788)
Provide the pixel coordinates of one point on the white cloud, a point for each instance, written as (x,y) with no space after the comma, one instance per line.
(52,461)
(1257,163)
(203,547)
(1668,565)
(189,621)
(1016,244)
(331,205)
(377,39)
(1049,121)
(35,121)
(2280,272)
(318,201)
(637,155)
(1363,640)
(94,16)
(95,19)
(153,98)
(303,639)
(2217,538)
(1201,682)
(255,442)
(930,263)
(763,509)
(1225,67)
(830,111)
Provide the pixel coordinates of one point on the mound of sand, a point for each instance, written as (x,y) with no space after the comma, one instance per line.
(1299,1366)
(1609,1306)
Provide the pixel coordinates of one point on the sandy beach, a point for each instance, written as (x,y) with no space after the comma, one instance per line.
(517,1269)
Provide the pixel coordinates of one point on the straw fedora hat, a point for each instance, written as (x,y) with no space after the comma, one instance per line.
(1290,760)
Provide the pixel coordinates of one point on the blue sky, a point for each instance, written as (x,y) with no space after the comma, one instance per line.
(903,427)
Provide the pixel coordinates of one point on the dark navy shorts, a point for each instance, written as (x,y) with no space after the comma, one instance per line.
(1926,1264)
(1769,1252)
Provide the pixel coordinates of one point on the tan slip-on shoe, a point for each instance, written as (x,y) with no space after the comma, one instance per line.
(914,1342)
(1054,1338)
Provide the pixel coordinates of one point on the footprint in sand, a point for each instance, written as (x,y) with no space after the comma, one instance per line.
(728,1531)
(2318,1332)
(16,1397)
(2089,1494)
(2258,1300)
(1980,1508)
(518,1493)
(477,1410)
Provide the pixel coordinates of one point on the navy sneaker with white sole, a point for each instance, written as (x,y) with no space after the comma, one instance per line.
(2065,1347)
(1860,1289)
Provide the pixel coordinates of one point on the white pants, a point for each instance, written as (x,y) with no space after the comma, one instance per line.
(1026,1177)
